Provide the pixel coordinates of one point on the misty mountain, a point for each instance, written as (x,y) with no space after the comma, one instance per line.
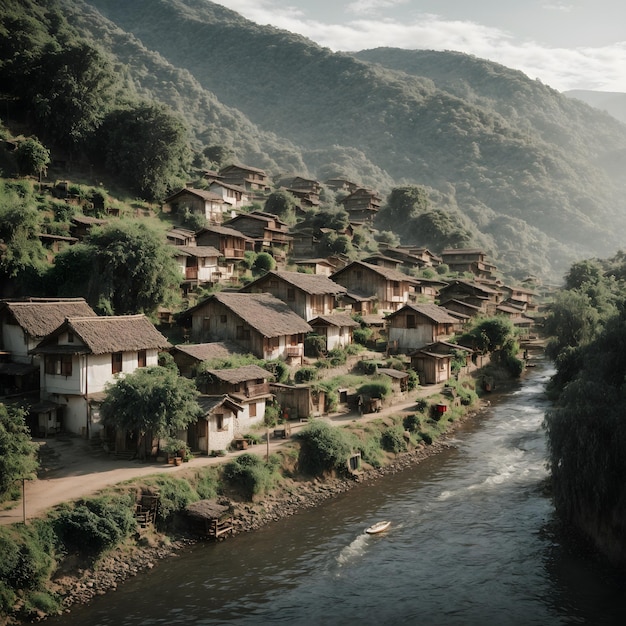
(613,102)
(528,172)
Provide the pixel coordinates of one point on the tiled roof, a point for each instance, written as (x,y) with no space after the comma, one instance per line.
(212,350)
(197,251)
(336,319)
(431,311)
(385,272)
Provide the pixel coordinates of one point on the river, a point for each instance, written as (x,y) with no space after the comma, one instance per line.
(472,541)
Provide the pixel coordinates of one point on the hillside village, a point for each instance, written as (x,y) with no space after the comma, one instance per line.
(399,307)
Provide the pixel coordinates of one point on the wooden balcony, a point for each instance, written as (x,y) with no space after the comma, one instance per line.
(258,389)
(294,351)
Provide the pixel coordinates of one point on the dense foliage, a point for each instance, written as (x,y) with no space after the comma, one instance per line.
(323,448)
(586,428)
(18,455)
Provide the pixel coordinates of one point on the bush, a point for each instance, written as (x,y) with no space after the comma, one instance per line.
(91,526)
(250,474)
(314,345)
(378,389)
(369,367)
(272,415)
(305,375)
(392,440)
(337,357)
(425,437)
(370,450)
(174,495)
(323,448)
(412,423)
(362,335)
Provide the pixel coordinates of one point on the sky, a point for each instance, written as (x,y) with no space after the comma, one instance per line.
(566,44)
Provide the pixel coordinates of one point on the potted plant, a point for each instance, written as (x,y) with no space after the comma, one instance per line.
(176,449)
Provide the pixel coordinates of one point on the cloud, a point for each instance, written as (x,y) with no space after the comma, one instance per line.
(601,68)
(372,7)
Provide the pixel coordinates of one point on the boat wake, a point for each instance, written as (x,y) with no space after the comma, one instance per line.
(353,551)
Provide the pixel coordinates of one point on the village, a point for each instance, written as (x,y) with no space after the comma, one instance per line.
(392,309)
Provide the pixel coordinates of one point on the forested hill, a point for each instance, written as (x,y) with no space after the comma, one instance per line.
(511,164)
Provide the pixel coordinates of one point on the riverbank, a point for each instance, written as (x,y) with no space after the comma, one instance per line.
(291,498)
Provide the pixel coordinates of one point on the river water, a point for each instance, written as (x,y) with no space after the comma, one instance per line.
(472,541)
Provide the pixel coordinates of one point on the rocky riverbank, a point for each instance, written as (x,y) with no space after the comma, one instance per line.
(82,584)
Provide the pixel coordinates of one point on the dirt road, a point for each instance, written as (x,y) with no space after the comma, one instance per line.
(72,470)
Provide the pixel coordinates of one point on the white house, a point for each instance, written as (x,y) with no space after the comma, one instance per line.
(216,430)
(83,355)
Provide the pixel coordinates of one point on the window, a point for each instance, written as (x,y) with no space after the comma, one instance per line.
(116,362)
(70,336)
(291,293)
(410,321)
(252,406)
(58,364)
(142,358)
(222,319)
(219,421)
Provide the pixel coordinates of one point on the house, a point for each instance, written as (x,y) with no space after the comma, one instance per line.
(83,355)
(259,322)
(231,243)
(336,329)
(23,324)
(235,197)
(426,289)
(520,297)
(416,325)
(308,295)
(181,237)
(306,199)
(481,296)
(341,185)
(252,179)
(217,428)
(299,401)
(81,225)
(56,243)
(267,230)
(412,256)
(362,204)
(247,385)
(383,261)
(199,264)
(399,379)
(189,356)
(205,203)
(470,260)
(433,362)
(391,287)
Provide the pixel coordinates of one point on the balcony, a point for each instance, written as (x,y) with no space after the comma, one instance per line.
(294,351)
(258,389)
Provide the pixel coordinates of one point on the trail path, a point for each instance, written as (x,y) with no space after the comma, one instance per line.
(72,470)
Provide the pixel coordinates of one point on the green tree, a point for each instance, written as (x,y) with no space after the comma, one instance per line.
(264,262)
(124,267)
(18,455)
(153,400)
(32,157)
(146,145)
(403,204)
(283,204)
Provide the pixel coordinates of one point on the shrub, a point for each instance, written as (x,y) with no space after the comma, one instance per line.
(370,449)
(250,474)
(315,345)
(412,423)
(362,335)
(272,414)
(369,367)
(425,437)
(392,440)
(174,495)
(337,357)
(91,526)
(377,389)
(305,375)
(323,448)
(421,405)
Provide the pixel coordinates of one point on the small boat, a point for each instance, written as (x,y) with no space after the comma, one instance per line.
(378,527)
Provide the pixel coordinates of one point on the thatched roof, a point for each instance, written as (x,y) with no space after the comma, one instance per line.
(209,403)
(385,272)
(212,350)
(312,284)
(201,252)
(223,230)
(101,335)
(240,374)
(206,510)
(39,317)
(200,193)
(335,319)
(265,313)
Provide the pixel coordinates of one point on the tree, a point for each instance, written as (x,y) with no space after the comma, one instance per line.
(281,203)
(403,204)
(264,262)
(32,157)
(146,146)
(123,268)
(18,455)
(153,400)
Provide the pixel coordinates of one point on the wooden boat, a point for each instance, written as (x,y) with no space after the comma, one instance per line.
(378,527)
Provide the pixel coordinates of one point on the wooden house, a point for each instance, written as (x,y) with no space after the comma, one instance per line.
(200,265)
(81,225)
(416,325)
(309,295)
(181,237)
(234,196)
(341,185)
(83,355)
(362,204)
(207,204)
(268,231)
(231,243)
(476,294)
(336,329)
(433,362)
(261,323)
(391,287)
(399,379)
(470,260)
(189,356)
(316,266)
(247,385)
(252,179)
